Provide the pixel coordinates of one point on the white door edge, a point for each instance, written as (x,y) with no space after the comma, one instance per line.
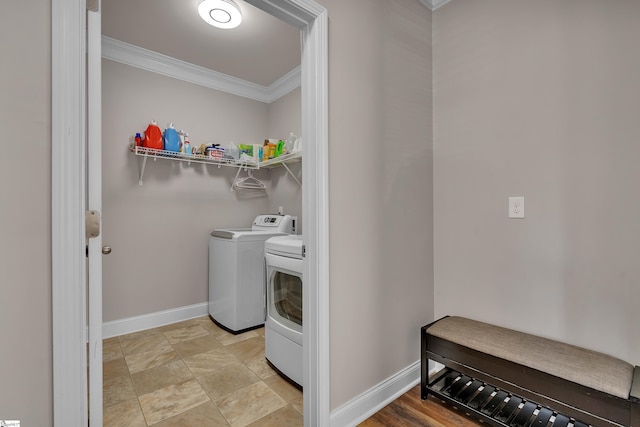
(94,199)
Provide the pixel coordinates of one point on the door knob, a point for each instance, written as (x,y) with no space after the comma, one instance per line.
(106,250)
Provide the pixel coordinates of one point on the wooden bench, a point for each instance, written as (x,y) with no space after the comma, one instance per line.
(509,378)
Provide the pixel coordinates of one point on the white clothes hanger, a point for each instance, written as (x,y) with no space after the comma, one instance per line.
(248,182)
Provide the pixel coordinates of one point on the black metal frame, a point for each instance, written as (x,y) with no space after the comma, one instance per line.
(566,397)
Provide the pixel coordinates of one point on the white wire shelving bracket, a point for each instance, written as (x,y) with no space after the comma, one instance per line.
(292,174)
(284,161)
(155,154)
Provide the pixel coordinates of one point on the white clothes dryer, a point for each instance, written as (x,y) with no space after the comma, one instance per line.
(283,328)
(237,274)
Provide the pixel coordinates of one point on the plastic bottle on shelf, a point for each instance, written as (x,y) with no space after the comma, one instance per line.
(290,143)
(272,150)
(187,145)
(257,152)
(153,136)
(138,140)
(171,139)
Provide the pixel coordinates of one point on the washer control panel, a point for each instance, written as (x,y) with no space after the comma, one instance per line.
(268,220)
(282,223)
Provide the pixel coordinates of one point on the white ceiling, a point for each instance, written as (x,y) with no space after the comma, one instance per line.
(261,50)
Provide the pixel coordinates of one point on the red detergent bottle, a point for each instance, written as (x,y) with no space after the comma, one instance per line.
(153,136)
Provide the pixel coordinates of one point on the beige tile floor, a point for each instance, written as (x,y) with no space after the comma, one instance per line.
(196,374)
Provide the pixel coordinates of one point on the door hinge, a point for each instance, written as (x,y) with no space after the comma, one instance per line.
(93,5)
(304,251)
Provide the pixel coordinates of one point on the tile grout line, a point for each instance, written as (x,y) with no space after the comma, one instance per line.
(201,385)
(133,384)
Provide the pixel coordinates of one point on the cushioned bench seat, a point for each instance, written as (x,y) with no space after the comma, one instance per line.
(590,386)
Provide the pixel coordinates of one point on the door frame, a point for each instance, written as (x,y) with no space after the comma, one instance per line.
(94,202)
(68,201)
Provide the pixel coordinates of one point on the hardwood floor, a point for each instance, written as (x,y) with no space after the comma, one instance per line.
(410,411)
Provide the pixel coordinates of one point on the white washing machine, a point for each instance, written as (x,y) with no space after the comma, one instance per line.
(237,274)
(283,328)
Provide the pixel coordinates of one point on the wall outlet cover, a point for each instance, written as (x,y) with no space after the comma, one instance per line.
(516,207)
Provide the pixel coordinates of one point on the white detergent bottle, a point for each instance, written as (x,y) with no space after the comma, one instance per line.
(291,142)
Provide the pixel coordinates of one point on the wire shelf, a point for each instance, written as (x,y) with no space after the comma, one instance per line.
(242,163)
(195,158)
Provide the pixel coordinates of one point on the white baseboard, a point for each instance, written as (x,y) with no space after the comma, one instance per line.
(371,401)
(153,320)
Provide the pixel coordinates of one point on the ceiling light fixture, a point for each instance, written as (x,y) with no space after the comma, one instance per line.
(220,13)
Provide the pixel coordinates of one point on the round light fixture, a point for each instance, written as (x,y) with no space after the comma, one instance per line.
(220,13)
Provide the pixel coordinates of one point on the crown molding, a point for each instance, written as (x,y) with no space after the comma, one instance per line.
(434,4)
(148,60)
(284,84)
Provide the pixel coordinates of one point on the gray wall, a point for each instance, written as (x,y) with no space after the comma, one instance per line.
(159,231)
(25,213)
(539,99)
(380,168)
(547,85)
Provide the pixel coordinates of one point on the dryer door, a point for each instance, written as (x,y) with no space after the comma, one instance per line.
(284,295)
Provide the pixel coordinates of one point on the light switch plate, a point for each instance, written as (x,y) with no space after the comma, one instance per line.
(516,207)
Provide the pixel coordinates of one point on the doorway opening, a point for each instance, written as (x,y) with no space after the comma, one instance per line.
(69,200)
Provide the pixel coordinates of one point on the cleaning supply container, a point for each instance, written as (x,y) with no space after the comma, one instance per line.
(153,136)
(171,139)
(187,146)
